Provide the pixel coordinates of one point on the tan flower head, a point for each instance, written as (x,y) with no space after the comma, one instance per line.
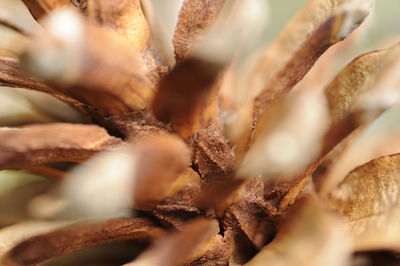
(203,147)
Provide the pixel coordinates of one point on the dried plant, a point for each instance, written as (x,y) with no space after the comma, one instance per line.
(226,152)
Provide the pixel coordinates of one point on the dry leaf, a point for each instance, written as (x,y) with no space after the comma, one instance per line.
(79,236)
(368,200)
(58,142)
(12,235)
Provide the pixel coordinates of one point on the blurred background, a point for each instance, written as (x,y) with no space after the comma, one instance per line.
(384,22)
(18,106)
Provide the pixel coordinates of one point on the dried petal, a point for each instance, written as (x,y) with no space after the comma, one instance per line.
(235,31)
(197,243)
(187,96)
(294,188)
(79,236)
(16,109)
(300,44)
(242,24)
(194,18)
(286,139)
(12,75)
(153,174)
(162,18)
(108,254)
(287,145)
(368,200)
(13,14)
(369,95)
(355,116)
(161,169)
(209,57)
(310,236)
(40,8)
(126,17)
(9,24)
(12,235)
(375,141)
(330,62)
(38,144)
(357,77)
(102,187)
(94,65)
(21,107)
(187,99)
(51,106)
(274,72)
(271,74)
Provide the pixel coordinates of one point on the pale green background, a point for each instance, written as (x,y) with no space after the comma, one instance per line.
(386,19)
